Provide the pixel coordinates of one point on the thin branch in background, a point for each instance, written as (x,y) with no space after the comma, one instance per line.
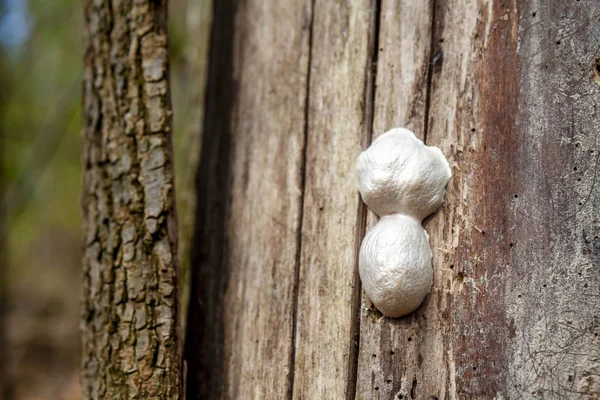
(5,381)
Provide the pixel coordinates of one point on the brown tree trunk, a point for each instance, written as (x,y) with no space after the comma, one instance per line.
(130,319)
(296,90)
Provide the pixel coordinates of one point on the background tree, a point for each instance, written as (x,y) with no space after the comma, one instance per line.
(130,321)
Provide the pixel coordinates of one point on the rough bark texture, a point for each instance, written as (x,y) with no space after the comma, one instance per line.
(130,333)
(509,92)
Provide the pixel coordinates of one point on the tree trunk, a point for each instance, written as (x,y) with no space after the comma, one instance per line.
(506,90)
(130,325)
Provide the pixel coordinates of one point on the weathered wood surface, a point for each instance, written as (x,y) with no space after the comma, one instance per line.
(130,300)
(241,327)
(507,91)
(403,68)
(339,119)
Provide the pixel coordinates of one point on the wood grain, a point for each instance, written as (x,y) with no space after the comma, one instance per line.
(512,313)
(386,355)
(339,121)
(507,91)
(241,346)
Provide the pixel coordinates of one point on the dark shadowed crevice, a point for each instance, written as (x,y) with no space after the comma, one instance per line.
(361,223)
(301,206)
(371,78)
(204,347)
(434,57)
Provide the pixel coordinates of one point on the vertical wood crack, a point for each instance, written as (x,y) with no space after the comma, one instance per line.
(432,60)
(301,205)
(361,223)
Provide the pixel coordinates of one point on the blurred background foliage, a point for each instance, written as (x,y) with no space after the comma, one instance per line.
(40,153)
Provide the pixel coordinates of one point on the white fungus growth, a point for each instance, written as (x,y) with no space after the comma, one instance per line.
(403,181)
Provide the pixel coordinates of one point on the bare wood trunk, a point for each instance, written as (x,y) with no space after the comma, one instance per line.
(507,91)
(130,333)
(339,125)
(257,86)
(513,312)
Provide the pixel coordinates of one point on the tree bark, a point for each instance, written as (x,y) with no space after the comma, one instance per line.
(130,308)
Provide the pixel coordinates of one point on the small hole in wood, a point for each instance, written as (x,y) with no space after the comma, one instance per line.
(389,381)
(452,266)
(410,339)
(474,368)
(473,130)
(510,244)
(574,168)
(516,196)
(577,144)
(557,42)
(533,14)
(376,388)
(392,352)
(374,355)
